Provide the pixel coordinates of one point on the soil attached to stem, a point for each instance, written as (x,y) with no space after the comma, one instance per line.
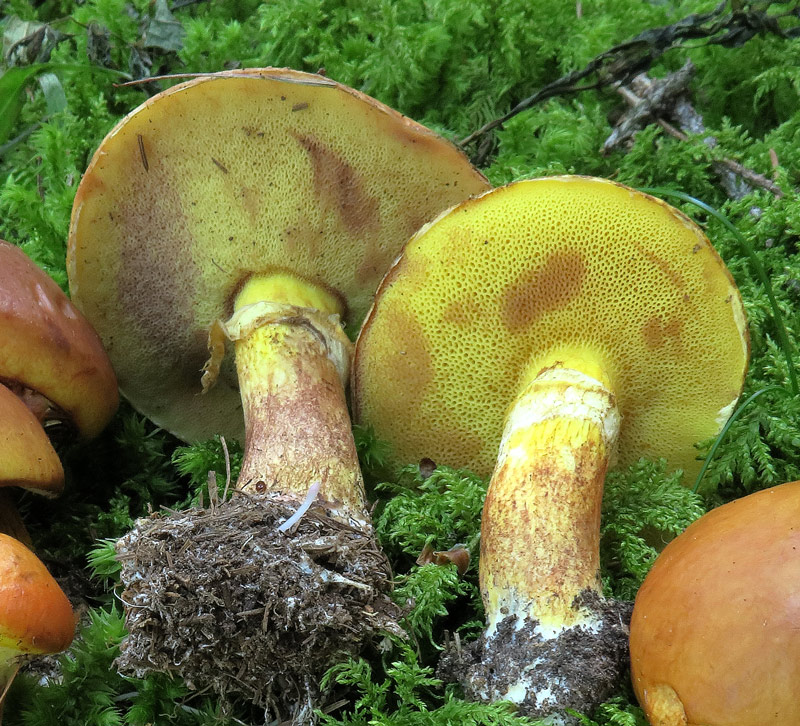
(225,600)
(579,669)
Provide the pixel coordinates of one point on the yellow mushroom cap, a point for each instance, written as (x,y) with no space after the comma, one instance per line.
(35,614)
(27,457)
(715,632)
(496,286)
(231,175)
(47,345)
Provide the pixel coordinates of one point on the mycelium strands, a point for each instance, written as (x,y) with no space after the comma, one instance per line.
(261,598)
(544,500)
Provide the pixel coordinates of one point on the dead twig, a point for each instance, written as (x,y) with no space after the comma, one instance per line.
(651,100)
(617,66)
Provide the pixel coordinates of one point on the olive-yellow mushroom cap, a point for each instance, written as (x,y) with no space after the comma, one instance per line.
(27,458)
(228,176)
(48,347)
(715,632)
(501,284)
(35,615)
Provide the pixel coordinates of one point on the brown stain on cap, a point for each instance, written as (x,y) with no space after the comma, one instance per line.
(658,332)
(671,274)
(338,184)
(538,291)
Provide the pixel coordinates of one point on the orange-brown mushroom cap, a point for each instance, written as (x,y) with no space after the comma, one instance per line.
(231,175)
(27,458)
(503,283)
(46,345)
(35,615)
(715,633)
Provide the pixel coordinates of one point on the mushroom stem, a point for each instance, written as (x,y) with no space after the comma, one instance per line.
(550,633)
(292,361)
(544,500)
(314,575)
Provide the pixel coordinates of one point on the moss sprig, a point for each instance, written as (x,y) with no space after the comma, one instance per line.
(440,510)
(644,507)
(404,693)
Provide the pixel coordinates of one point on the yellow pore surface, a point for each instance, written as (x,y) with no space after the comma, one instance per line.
(503,284)
(225,177)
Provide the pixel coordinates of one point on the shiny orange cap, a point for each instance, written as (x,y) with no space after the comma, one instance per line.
(28,459)
(47,345)
(35,615)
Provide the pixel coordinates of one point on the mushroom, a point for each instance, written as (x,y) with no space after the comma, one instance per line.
(715,636)
(36,617)
(49,355)
(546,328)
(28,459)
(260,207)
(53,370)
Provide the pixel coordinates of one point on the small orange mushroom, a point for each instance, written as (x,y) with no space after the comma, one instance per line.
(715,632)
(564,323)
(258,210)
(28,459)
(52,369)
(49,354)
(36,617)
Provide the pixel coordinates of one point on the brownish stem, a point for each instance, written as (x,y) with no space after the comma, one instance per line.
(298,430)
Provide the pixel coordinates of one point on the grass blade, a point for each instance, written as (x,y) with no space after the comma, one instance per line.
(721,435)
(758,269)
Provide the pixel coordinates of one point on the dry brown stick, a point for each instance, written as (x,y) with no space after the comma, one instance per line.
(729,25)
(647,103)
(650,100)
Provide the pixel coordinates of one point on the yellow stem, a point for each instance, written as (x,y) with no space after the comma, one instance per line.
(541,520)
(292,361)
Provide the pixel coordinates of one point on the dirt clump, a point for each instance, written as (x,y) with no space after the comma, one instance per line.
(225,600)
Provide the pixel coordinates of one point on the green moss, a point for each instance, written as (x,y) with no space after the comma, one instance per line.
(90,690)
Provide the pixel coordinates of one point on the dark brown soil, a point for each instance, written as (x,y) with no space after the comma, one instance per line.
(223,599)
(579,669)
